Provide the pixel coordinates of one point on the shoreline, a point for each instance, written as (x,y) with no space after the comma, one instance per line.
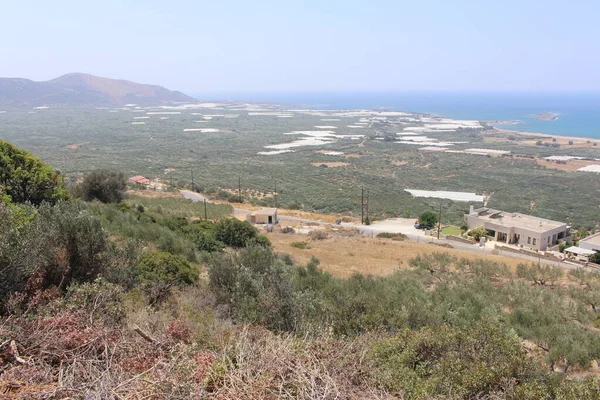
(547,135)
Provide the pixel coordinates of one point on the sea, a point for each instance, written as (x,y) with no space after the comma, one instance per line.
(578,114)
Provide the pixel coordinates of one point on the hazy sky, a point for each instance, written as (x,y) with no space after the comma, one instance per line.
(318,46)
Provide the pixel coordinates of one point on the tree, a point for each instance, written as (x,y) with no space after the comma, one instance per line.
(25,178)
(595,258)
(477,233)
(428,219)
(104,185)
(234,233)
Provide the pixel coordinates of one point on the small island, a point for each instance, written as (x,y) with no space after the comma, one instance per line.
(546,116)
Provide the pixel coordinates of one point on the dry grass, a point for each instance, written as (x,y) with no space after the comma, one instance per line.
(154,194)
(344,256)
(570,165)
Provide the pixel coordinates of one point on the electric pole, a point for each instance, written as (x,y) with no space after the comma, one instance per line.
(193,186)
(367,206)
(205,214)
(240,188)
(276,194)
(362,205)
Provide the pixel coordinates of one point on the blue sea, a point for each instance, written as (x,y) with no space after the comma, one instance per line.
(578,113)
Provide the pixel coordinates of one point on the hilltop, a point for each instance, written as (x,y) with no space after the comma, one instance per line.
(84,89)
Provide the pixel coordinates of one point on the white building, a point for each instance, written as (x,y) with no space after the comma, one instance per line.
(519,229)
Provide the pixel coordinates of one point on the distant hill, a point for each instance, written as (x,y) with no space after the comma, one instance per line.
(84,89)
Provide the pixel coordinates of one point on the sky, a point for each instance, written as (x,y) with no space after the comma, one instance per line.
(309,46)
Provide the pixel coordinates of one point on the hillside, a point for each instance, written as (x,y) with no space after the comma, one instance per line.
(83,89)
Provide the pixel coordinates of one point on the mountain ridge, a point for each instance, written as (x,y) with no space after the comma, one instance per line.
(85,89)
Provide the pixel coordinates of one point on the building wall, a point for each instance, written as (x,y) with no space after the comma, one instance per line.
(589,246)
(526,238)
(264,218)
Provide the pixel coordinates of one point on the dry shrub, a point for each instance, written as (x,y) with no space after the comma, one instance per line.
(260,365)
(318,235)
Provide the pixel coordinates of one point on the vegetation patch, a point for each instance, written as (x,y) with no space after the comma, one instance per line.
(451,230)
(300,245)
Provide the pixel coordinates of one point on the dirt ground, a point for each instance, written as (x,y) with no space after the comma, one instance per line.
(343,256)
(155,194)
(571,165)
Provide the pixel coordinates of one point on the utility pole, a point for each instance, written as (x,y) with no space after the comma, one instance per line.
(240,188)
(362,205)
(193,186)
(367,206)
(440,220)
(205,214)
(276,194)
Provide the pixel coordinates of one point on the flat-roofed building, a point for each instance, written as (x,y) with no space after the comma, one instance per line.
(519,229)
(590,243)
(264,216)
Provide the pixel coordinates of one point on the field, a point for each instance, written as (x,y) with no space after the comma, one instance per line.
(344,256)
(324,168)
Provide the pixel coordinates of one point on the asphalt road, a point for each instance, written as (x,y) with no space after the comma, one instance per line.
(414,234)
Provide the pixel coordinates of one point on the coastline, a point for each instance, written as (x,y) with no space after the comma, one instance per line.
(547,135)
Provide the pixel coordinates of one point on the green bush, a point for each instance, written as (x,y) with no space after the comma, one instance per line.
(166,268)
(104,185)
(300,245)
(260,240)
(481,360)
(234,233)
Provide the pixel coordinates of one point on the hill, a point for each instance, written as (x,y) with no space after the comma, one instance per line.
(84,89)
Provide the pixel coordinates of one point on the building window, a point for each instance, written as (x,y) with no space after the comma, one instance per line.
(534,241)
(528,239)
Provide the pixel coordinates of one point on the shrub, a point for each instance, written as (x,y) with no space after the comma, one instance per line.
(539,274)
(167,268)
(260,240)
(287,229)
(318,235)
(300,245)
(474,362)
(234,233)
(393,236)
(206,242)
(104,185)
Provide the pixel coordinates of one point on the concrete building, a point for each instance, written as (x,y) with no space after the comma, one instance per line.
(590,243)
(519,229)
(264,216)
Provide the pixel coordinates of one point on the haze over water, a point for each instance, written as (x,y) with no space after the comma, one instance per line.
(578,113)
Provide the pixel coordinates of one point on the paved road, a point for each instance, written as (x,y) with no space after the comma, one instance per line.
(401,227)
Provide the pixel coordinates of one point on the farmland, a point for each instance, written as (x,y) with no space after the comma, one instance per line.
(319,160)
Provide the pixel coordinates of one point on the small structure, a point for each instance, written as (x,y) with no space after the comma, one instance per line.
(519,229)
(264,216)
(139,180)
(579,253)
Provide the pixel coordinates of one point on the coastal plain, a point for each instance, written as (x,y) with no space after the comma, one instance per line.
(322,160)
